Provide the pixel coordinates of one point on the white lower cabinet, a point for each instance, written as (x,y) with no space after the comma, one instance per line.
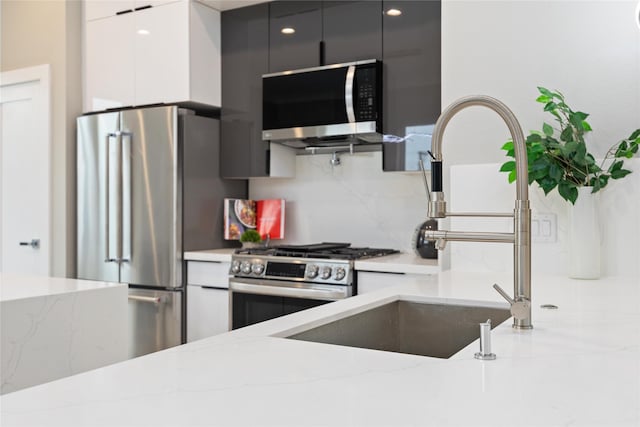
(207,299)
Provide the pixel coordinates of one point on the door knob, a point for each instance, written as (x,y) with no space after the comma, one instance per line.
(34,243)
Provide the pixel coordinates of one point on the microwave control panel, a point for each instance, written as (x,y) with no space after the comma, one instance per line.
(366,98)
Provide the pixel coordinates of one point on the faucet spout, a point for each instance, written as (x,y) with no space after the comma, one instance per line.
(520,148)
(521,236)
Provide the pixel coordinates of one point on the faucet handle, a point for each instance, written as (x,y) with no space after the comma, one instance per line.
(520,308)
(424,176)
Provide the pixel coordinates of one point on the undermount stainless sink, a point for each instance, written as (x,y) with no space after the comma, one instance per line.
(426,329)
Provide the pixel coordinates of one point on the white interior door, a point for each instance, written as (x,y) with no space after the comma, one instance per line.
(25,177)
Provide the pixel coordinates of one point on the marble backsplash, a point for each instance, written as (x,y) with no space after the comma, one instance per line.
(358,203)
(354,202)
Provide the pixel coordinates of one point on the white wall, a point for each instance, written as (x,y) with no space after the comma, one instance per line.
(38,32)
(589,50)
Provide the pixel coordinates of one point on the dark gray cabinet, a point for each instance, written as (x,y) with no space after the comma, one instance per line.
(300,49)
(352,30)
(325,32)
(411,98)
(245,57)
(329,32)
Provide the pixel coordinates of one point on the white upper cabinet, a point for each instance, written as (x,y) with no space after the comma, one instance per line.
(109,63)
(166,53)
(96,9)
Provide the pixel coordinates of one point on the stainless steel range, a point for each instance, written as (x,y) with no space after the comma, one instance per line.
(271,282)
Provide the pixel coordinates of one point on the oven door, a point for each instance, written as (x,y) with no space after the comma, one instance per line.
(254,300)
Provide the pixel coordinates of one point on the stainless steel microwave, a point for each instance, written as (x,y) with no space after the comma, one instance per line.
(321,105)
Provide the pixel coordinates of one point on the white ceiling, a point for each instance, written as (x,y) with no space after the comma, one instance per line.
(230,4)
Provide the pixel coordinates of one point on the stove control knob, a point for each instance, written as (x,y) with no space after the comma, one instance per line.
(257,268)
(312,271)
(340,273)
(245,267)
(235,267)
(325,273)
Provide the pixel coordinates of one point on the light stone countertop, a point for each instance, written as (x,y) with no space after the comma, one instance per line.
(54,327)
(15,287)
(578,366)
(395,263)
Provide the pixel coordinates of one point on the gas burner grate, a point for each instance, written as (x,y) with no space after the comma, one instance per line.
(319,250)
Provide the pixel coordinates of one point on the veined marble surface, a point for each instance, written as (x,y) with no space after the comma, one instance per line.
(578,366)
(55,327)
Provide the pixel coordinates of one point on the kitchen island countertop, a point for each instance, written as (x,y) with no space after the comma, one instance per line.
(578,366)
(54,327)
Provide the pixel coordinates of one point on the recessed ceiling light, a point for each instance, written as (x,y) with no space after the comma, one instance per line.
(287,30)
(394,12)
(144,32)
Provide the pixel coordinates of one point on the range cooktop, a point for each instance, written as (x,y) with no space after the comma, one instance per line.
(325,250)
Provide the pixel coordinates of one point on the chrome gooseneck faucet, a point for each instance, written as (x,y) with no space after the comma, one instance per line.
(521,236)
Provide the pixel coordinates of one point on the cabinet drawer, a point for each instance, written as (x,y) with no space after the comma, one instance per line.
(207,312)
(205,273)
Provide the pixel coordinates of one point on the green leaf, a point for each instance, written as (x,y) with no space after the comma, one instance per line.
(550,106)
(547,184)
(581,152)
(569,148)
(635,135)
(507,145)
(580,115)
(512,176)
(568,191)
(547,129)
(567,134)
(621,173)
(545,91)
(586,127)
(534,137)
(602,181)
(555,172)
(575,120)
(508,166)
(615,166)
(543,99)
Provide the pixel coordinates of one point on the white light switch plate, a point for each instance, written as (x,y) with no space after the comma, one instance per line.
(543,228)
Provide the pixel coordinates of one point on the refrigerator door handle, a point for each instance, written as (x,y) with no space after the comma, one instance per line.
(125,198)
(152,300)
(119,197)
(107,230)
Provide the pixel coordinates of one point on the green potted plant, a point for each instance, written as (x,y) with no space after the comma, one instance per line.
(250,238)
(558,157)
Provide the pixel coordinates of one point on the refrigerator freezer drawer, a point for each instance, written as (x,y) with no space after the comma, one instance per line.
(155,320)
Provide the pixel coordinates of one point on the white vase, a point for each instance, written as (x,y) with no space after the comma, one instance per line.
(584,236)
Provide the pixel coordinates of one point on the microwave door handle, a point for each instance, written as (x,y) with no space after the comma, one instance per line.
(348,93)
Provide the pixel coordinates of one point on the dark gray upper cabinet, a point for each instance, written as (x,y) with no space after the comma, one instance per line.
(245,57)
(352,30)
(300,49)
(411,99)
(326,32)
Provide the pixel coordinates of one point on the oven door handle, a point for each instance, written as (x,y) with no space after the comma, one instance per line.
(283,291)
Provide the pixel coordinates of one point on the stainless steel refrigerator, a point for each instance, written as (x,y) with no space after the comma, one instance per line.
(148,189)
